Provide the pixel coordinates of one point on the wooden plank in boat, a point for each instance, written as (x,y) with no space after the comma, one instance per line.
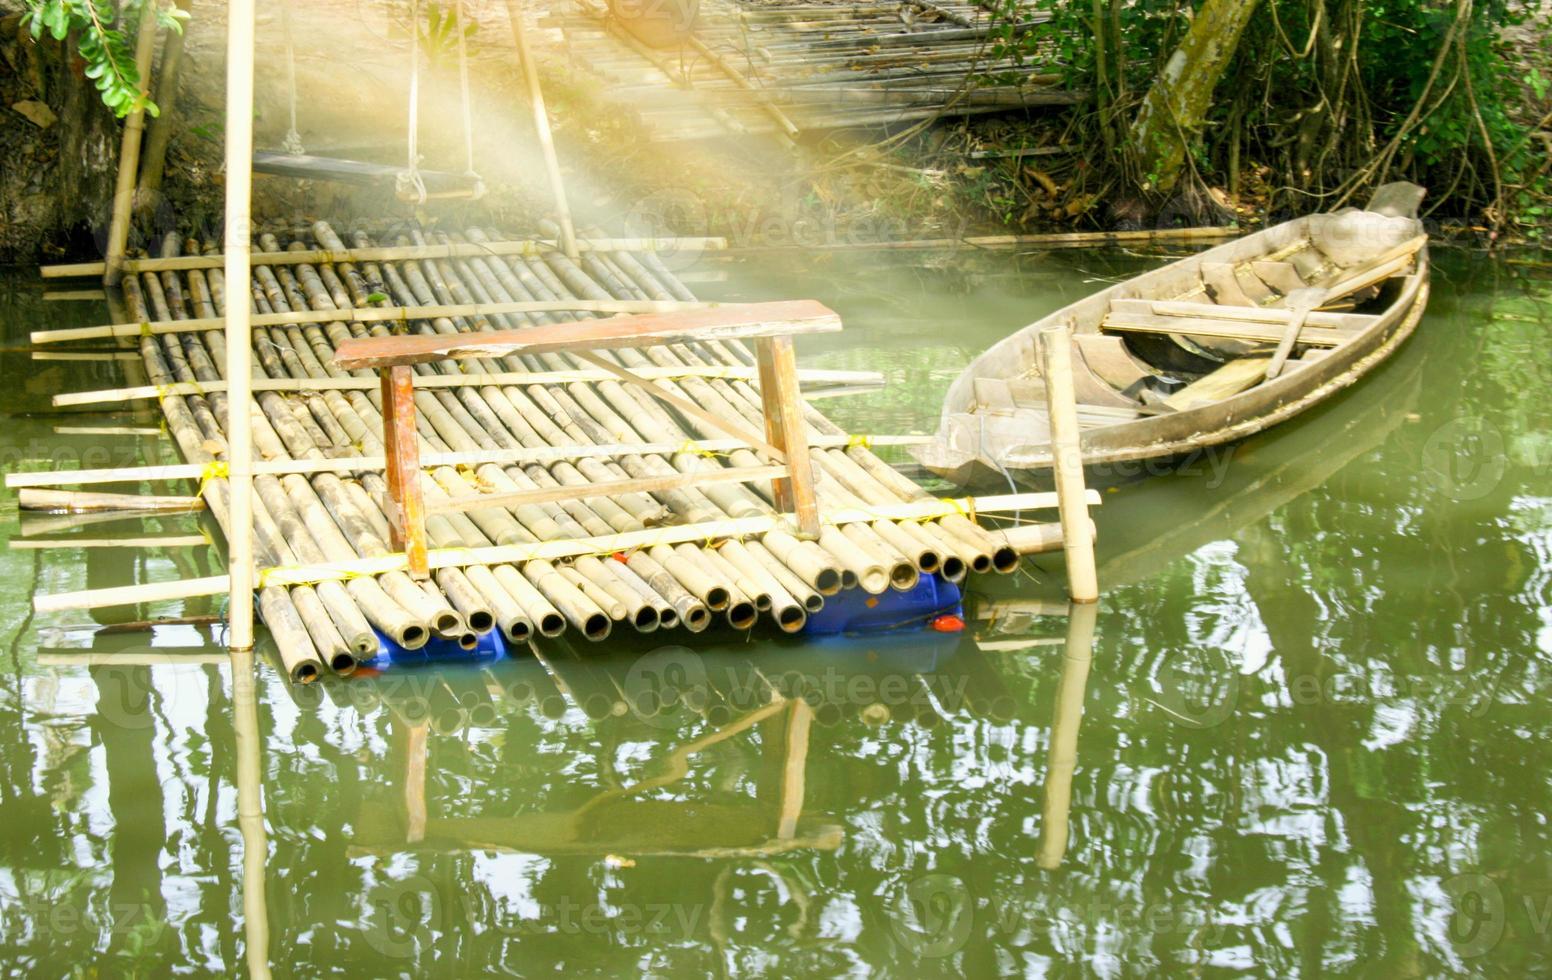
(1248,314)
(1223,285)
(1281,276)
(1227,329)
(994,395)
(1384,268)
(1231,379)
(1251,285)
(1109,359)
(1309,262)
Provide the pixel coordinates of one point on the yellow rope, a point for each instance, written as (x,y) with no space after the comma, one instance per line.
(216,469)
(690,447)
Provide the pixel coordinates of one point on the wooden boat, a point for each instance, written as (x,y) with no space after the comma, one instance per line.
(1204,351)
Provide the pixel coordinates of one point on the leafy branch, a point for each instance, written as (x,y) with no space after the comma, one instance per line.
(102,31)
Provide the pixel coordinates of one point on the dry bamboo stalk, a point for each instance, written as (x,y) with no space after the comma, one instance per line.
(143,392)
(291,639)
(373,314)
(1069,239)
(164,541)
(129,152)
(380,254)
(1037,539)
(78,502)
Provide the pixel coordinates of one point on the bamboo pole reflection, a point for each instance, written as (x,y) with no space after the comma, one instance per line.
(250,812)
(1077,657)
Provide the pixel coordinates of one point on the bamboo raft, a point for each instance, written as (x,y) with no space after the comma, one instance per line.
(791,68)
(654,553)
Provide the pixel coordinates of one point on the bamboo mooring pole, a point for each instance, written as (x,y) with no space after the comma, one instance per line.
(1055,345)
(129,151)
(239,342)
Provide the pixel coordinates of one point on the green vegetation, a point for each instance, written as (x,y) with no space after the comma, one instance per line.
(102,30)
(1319,101)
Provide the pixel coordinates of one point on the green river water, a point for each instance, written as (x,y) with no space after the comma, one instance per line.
(1304,731)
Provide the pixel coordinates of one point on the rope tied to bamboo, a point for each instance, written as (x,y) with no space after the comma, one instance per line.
(216,469)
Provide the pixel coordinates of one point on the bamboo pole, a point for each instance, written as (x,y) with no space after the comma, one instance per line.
(360,464)
(373,314)
(239,343)
(73,502)
(116,395)
(160,134)
(1037,539)
(1070,239)
(383,254)
(549,551)
(568,235)
(1055,348)
(161,541)
(129,151)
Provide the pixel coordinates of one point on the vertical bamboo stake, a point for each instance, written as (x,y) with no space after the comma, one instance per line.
(568,233)
(160,133)
(129,151)
(1055,346)
(250,800)
(239,343)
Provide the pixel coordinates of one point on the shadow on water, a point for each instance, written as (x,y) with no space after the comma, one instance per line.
(1302,732)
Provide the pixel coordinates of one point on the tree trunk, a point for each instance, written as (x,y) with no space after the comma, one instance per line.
(1173,114)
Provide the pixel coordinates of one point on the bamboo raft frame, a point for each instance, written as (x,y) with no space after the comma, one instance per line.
(629,544)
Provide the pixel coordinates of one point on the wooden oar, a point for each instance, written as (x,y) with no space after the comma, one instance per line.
(1302,302)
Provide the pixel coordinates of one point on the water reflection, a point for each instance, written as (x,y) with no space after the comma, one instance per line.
(1302,733)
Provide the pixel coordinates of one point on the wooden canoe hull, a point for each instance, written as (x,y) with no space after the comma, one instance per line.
(1161,436)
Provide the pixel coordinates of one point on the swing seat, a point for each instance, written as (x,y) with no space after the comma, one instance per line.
(438,183)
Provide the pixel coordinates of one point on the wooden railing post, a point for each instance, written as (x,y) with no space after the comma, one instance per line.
(401,445)
(784,429)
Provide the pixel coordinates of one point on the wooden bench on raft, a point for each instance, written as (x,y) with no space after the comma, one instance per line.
(770,325)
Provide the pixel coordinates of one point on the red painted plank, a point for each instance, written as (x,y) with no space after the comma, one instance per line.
(734,321)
